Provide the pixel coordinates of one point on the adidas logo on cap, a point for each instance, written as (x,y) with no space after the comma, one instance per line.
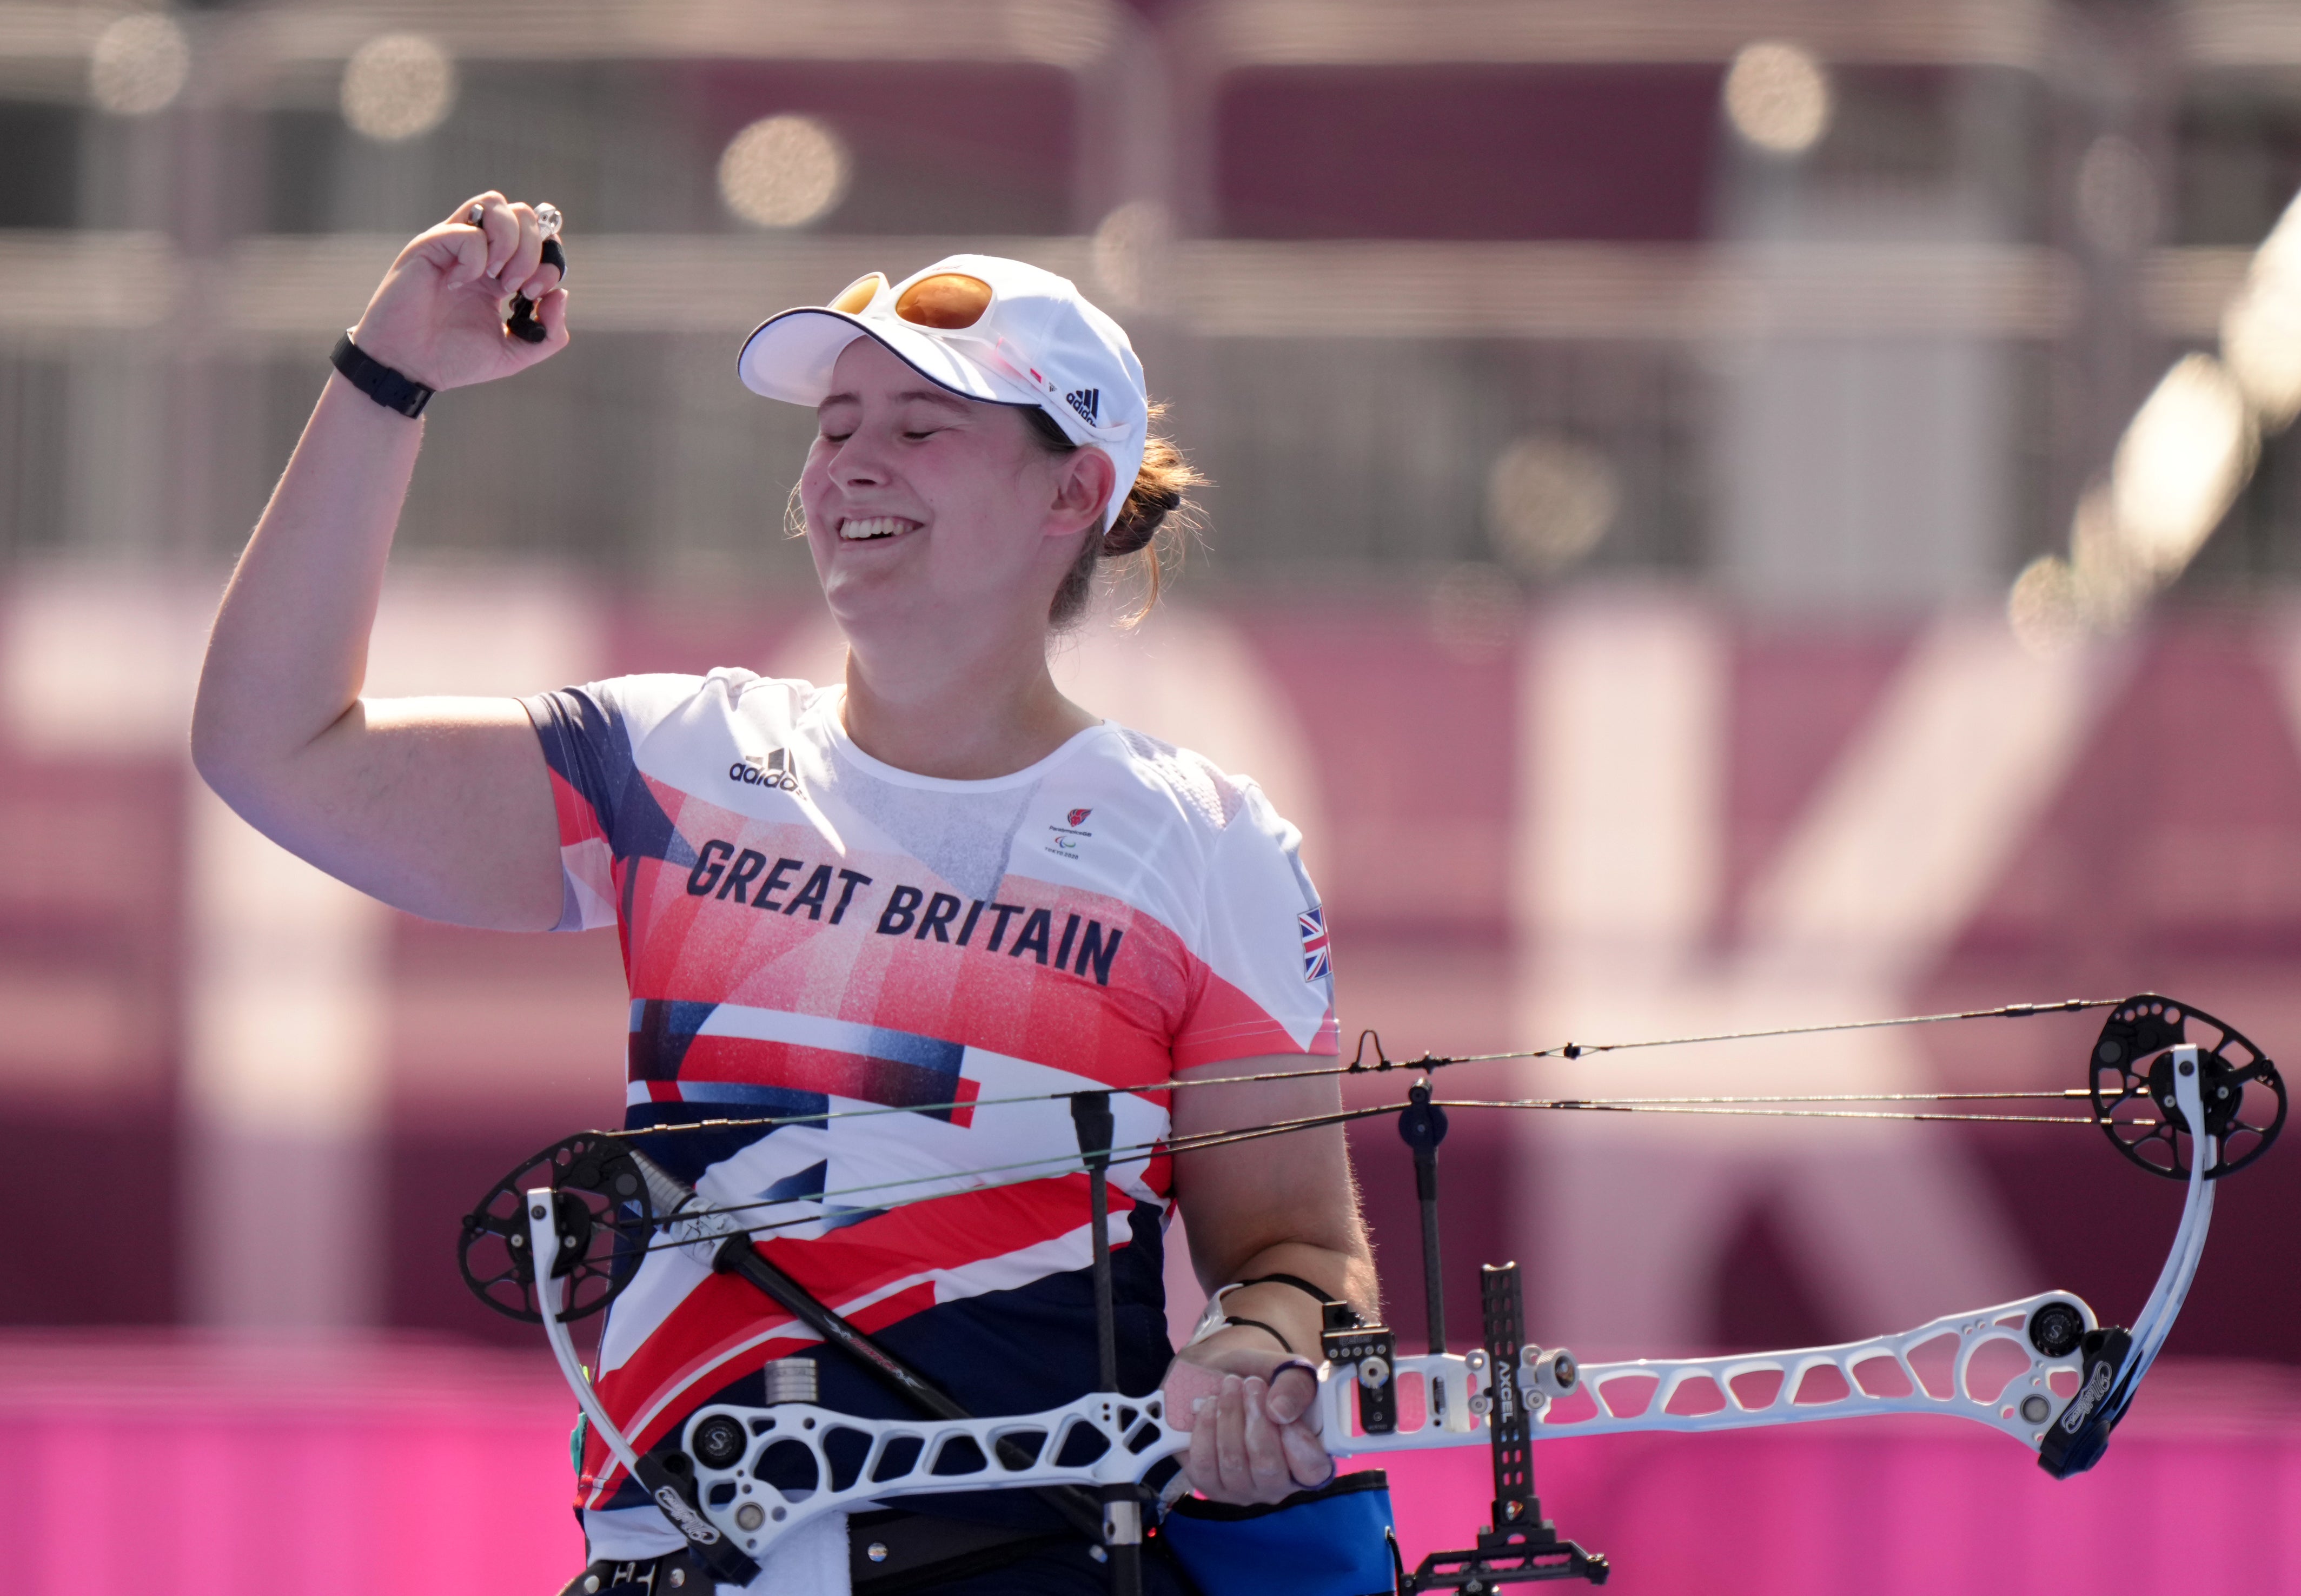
(1088,403)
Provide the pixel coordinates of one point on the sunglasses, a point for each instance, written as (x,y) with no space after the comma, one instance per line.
(953,302)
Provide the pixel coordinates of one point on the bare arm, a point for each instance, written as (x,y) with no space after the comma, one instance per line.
(1279,1205)
(440,806)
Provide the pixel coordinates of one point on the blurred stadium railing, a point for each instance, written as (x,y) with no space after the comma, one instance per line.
(1370,248)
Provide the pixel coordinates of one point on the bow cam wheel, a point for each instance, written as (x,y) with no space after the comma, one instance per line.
(601,1215)
(2133,1088)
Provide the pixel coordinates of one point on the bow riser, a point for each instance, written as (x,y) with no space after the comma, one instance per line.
(762,1471)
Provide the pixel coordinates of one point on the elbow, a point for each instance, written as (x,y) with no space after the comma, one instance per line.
(213,758)
(220,750)
(209,747)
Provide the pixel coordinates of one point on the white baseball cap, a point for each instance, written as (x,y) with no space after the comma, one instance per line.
(984,328)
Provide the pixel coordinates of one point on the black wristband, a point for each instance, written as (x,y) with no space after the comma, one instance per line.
(379,381)
(1297,1282)
(1272,1330)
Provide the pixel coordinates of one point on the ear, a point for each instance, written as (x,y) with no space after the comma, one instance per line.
(1082,487)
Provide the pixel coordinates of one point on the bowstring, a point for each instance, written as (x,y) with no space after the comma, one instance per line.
(1049,1166)
(1382,1063)
(1138,1152)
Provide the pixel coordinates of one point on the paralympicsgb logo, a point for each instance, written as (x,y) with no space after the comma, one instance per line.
(772,769)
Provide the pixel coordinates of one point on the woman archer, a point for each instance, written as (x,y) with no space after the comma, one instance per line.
(937,880)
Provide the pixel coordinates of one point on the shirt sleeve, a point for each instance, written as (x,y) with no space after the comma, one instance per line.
(587,747)
(1267,982)
(606,812)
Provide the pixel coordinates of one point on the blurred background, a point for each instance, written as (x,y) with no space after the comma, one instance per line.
(1724,512)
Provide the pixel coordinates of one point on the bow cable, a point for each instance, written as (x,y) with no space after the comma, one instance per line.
(2010,1011)
(1382,1063)
(1023,1172)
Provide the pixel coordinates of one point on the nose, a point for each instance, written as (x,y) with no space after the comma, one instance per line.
(859,462)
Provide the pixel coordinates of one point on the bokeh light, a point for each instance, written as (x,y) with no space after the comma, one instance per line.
(2261,330)
(783,172)
(139,64)
(399,86)
(2116,196)
(1549,501)
(1778,96)
(2043,606)
(1475,611)
(2181,464)
(1130,252)
(2261,344)
(2113,579)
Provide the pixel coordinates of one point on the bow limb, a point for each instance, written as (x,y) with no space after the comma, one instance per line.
(2172,1287)
(711,1547)
(2115,1360)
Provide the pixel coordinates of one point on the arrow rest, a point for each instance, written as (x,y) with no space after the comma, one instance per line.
(2133,1088)
(600,1213)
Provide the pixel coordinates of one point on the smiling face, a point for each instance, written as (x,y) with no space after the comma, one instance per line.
(929,515)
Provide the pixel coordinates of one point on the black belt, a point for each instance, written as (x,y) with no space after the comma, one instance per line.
(673,1573)
(893,1551)
(887,1553)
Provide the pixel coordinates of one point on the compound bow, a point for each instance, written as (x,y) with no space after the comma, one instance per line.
(741,1478)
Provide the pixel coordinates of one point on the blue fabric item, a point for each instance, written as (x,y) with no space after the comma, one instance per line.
(1336,1540)
(1066,1571)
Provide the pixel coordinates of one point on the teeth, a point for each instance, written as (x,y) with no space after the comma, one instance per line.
(874,526)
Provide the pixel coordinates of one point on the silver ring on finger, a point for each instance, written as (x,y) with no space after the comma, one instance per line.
(548,221)
(472,217)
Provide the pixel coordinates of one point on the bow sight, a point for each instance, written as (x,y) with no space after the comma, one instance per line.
(741,1477)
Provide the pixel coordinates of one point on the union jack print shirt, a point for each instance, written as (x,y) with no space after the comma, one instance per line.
(807,930)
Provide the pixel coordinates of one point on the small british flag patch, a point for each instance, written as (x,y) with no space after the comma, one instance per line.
(1316,964)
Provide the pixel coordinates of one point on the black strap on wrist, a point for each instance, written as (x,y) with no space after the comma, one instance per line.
(391,389)
(1316,1294)
(1234,1319)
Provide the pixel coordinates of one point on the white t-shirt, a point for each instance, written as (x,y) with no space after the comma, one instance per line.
(807,930)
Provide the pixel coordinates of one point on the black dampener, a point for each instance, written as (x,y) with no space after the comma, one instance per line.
(523,325)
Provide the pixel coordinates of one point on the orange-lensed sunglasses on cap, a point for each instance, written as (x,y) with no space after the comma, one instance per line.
(948,301)
(954,301)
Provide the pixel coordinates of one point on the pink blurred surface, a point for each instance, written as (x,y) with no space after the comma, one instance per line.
(149,1464)
(143,1463)
(2200,1492)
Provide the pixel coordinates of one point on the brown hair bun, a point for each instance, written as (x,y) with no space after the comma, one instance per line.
(1160,490)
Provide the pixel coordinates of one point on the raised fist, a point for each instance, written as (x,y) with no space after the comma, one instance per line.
(438,316)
